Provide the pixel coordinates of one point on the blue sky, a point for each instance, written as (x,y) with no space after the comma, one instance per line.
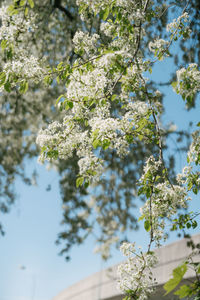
(34,222)
(31,230)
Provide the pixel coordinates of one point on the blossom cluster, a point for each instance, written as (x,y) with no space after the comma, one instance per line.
(15,34)
(90,91)
(179,26)
(114,74)
(61,139)
(163,198)
(151,169)
(159,46)
(194,150)
(123,38)
(182,177)
(135,9)
(188,82)
(135,275)
(85,43)
(164,202)
(12,26)
(86,86)
(25,68)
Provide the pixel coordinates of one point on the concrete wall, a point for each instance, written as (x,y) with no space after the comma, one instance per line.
(102,285)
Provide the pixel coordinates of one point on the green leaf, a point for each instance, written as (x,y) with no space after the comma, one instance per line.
(140,191)
(2,78)
(57,101)
(4,44)
(22,2)
(178,274)
(141,218)
(95,132)
(96,143)
(11,10)
(190,185)
(91,172)
(106,13)
(198,270)
(7,87)
(194,224)
(188,225)
(183,292)
(79,181)
(147,225)
(48,79)
(70,104)
(109,51)
(195,190)
(86,184)
(114,96)
(119,16)
(26,12)
(141,137)
(23,87)
(174,84)
(129,138)
(58,79)
(106,144)
(52,154)
(148,191)
(31,3)
(60,66)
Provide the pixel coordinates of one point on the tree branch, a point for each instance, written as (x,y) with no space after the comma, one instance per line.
(57,4)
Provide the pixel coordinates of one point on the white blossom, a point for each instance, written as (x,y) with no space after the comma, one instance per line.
(175,24)
(182,178)
(188,81)
(135,274)
(158,45)
(194,150)
(15,32)
(82,40)
(127,249)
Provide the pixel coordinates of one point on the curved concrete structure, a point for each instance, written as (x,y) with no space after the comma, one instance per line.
(102,285)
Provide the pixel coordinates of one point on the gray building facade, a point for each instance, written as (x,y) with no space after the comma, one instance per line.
(102,285)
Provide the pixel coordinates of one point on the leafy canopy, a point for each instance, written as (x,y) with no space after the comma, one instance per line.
(106,138)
